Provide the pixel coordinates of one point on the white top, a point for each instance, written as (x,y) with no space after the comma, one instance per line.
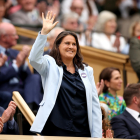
(100,41)
(134,113)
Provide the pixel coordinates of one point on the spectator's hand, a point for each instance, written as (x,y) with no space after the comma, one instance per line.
(109,134)
(26,49)
(100,86)
(3,58)
(1,125)
(117,42)
(9,112)
(20,58)
(13,105)
(48,24)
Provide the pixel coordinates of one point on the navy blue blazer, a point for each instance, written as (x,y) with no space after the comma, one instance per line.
(125,126)
(6,129)
(8,72)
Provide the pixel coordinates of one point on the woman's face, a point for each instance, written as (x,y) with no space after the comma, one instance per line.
(2,9)
(137,30)
(115,81)
(68,47)
(110,26)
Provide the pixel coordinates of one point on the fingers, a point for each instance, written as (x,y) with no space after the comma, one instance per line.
(47,17)
(42,16)
(54,15)
(55,24)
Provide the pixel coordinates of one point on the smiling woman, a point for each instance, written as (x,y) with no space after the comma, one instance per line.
(113,83)
(70,106)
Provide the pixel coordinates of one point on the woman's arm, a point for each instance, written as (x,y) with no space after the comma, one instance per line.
(36,58)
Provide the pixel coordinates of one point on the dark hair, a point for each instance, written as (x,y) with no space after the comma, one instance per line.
(78,59)
(106,74)
(105,123)
(131,91)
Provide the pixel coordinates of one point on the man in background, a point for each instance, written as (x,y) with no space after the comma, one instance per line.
(15,74)
(127,125)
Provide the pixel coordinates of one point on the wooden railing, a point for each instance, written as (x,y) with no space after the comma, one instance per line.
(98,59)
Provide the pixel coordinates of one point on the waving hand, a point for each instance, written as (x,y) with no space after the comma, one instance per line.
(48,24)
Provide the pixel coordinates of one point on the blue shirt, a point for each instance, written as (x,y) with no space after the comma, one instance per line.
(70,110)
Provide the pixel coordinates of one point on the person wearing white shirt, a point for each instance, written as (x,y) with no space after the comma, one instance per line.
(104,37)
(127,125)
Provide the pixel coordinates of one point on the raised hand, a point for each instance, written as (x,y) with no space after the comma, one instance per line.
(100,86)
(48,24)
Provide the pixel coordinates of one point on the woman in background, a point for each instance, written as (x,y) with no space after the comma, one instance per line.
(104,37)
(112,84)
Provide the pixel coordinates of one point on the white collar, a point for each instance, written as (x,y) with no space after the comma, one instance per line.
(134,113)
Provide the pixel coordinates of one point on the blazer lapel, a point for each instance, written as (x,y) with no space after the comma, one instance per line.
(131,118)
(85,79)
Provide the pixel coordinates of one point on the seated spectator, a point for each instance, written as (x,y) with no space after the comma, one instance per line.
(134,52)
(5,97)
(7,122)
(85,9)
(52,36)
(27,15)
(107,132)
(113,83)
(71,22)
(127,124)
(104,39)
(135,29)
(15,74)
(42,6)
(2,11)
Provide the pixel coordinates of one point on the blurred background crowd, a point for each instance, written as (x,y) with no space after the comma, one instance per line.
(112,21)
(103,24)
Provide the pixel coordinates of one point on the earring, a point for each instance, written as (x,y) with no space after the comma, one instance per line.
(108,89)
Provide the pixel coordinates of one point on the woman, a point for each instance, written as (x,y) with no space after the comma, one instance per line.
(112,83)
(135,29)
(70,106)
(104,39)
(134,51)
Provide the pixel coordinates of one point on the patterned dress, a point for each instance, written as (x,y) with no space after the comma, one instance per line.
(116,104)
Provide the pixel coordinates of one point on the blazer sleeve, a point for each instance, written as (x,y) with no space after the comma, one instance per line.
(120,129)
(134,53)
(96,110)
(36,58)
(6,73)
(14,129)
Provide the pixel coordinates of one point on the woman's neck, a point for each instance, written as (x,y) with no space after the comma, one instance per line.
(113,92)
(108,36)
(68,63)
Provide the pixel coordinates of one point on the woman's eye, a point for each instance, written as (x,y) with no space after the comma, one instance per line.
(74,44)
(67,43)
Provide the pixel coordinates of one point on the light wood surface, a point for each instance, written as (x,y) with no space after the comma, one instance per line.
(21,137)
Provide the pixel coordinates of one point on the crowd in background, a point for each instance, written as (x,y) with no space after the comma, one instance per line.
(110,21)
(103,24)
